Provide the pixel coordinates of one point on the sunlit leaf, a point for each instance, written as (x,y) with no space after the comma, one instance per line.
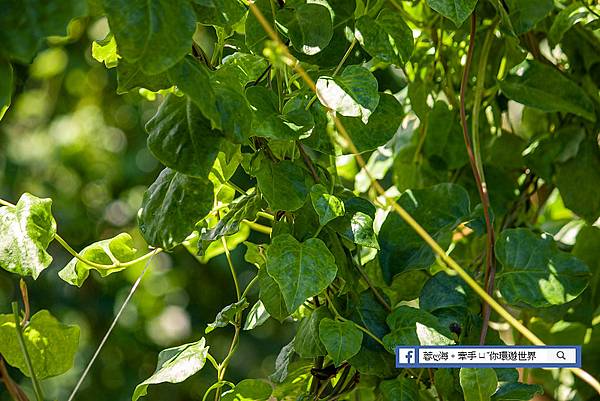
(175,365)
(27,230)
(50,344)
(535,273)
(353,93)
(541,86)
(106,252)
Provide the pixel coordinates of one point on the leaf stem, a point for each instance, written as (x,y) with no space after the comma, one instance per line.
(379,297)
(258,227)
(238,189)
(25,297)
(39,395)
(213,361)
(405,215)
(358,326)
(308,161)
(232,269)
(100,266)
(266,215)
(249,286)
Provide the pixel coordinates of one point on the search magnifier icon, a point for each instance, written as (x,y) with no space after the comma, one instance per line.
(561,355)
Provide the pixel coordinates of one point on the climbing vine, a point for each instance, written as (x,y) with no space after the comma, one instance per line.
(404,159)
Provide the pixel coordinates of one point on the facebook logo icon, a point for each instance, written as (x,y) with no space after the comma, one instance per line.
(406,357)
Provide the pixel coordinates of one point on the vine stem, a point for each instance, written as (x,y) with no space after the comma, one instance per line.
(110,329)
(13,389)
(477,100)
(222,367)
(490,259)
(447,259)
(37,388)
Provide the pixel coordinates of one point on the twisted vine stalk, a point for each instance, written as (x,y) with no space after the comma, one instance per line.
(447,259)
(477,168)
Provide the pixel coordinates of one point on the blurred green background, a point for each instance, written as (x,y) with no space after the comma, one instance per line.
(69,136)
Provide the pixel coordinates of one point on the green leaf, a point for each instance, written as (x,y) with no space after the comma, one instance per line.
(285,184)
(234,110)
(182,139)
(244,207)
(267,121)
(205,250)
(411,326)
(587,249)
(535,273)
(341,339)
(387,37)
(357,224)
(446,291)
(172,206)
(444,145)
(249,390)
(381,127)
(223,13)
(307,342)
(155,34)
(193,79)
(105,51)
(310,28)
(565,20)
(399,389)
(106,252)
(282,363)
(271,296)
(517,392)
(301,269)
(27,229)
(353,93)
(130,76)
(327,206)
(6,86)
(455,10)
(256,316)
(227,315)
(175,365)
(478,384)
(525,14)
(544,87)
(51,345)
(583,168)
(244,67)
(439,210)
(26,24)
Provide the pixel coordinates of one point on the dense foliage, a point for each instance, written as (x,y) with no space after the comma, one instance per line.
(276,121)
